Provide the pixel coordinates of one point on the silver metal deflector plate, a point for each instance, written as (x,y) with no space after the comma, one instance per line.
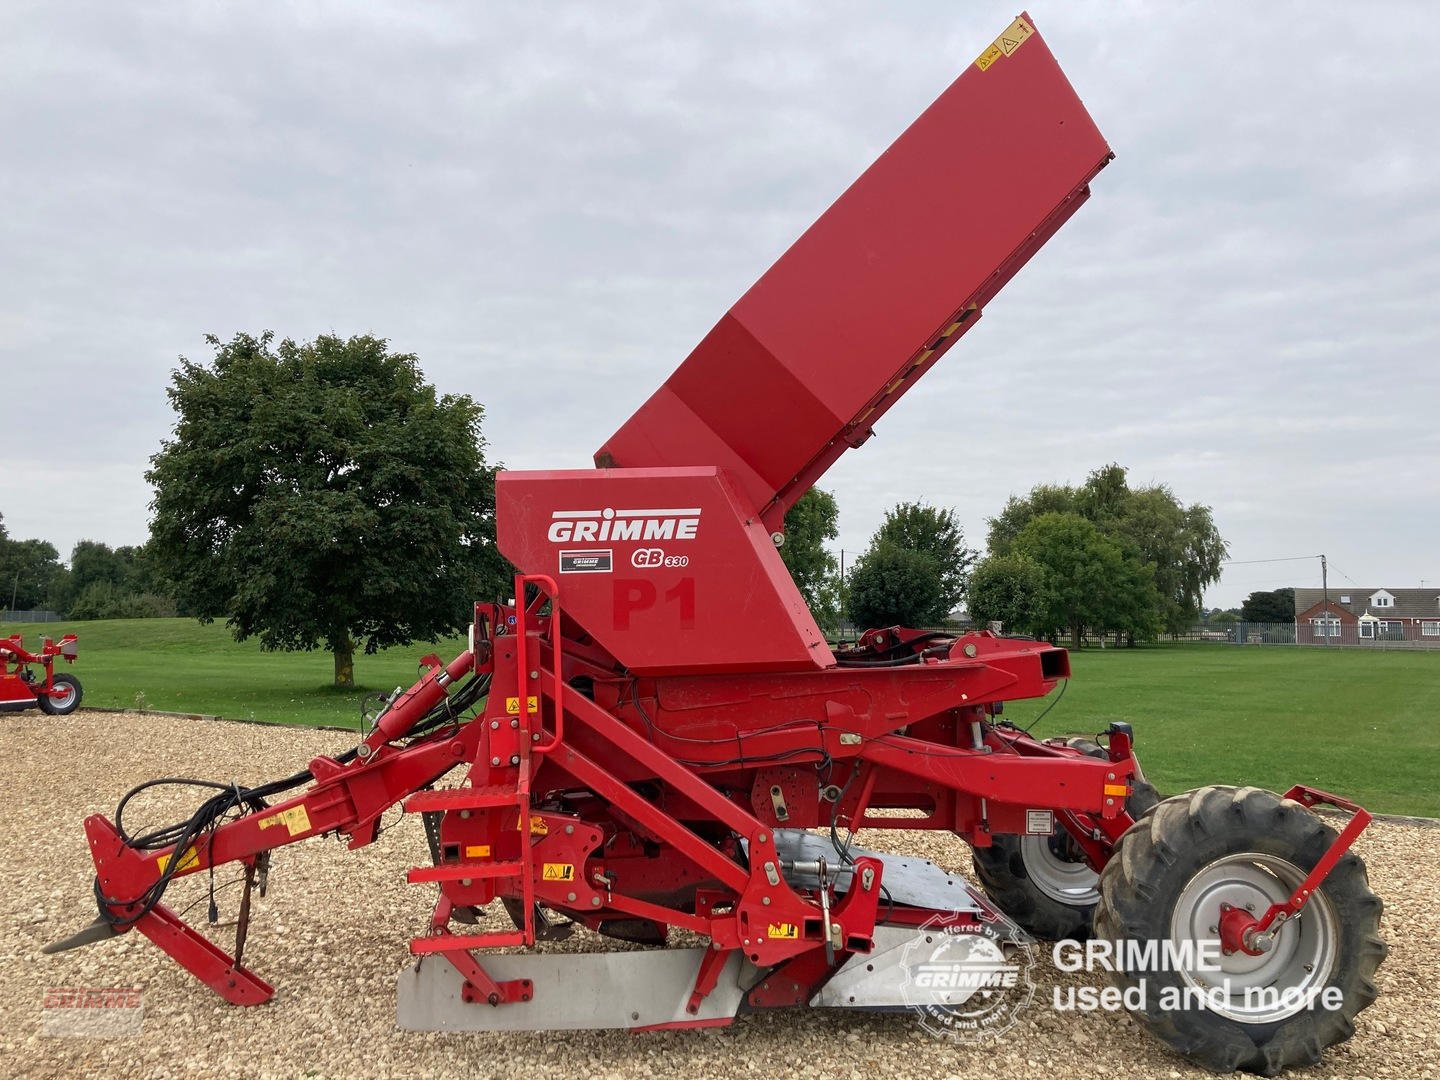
(573,991)
(877,980)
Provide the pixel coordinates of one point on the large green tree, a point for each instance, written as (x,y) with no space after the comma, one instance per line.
(809,524)
(96,563)
(896,586)
(323,494)
(1179,544)
(1269,607)
(1010,590)
(1089,580)
(932,531)
(1020,509)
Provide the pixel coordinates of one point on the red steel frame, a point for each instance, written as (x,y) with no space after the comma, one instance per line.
(656,853)
(640,747)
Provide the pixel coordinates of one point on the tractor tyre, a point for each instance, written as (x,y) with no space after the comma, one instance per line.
(1246,848)
(64,699)
(1044,882)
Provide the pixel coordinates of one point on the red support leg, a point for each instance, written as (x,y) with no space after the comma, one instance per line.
(204,959)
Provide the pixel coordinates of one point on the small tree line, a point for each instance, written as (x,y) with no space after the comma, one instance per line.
(913,572)
(1264,606)
(101,582)
(1062,561)
(1102,557)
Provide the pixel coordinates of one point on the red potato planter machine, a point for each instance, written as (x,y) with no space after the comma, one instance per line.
(655,741)
(22,688)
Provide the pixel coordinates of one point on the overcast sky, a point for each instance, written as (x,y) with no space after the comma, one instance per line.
(551,204)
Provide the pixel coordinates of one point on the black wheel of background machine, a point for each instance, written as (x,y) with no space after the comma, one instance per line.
(1244,847)
(66,697)
(1044,882)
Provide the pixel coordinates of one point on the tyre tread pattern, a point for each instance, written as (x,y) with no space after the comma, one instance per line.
(1137,893)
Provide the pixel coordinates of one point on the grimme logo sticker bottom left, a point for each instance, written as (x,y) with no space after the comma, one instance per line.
(586,562)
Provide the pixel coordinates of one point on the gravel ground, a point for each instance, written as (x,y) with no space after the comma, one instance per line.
(333,930)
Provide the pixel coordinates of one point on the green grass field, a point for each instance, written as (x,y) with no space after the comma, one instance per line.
(177,665)
(1357,722)
(1361,723)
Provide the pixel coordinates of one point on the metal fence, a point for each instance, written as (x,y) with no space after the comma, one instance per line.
(847,633)
(1321,634)
(30,616)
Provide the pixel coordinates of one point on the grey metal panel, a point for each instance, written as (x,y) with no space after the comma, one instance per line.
(573,991)
(877,980)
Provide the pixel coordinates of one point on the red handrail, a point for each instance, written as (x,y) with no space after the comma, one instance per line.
(547,587)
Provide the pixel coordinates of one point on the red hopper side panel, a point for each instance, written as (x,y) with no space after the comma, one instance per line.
(669,569)
(881,285)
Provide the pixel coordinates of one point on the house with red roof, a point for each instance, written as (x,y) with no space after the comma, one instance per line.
(1357,616)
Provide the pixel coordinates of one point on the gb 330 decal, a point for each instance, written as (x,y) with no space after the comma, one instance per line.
(650,558)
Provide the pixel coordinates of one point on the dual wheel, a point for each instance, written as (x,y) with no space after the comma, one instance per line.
(1044,883)
(1185,862)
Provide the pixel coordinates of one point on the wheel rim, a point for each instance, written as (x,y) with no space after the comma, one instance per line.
(1068,880)
(62,696)
(1299,962)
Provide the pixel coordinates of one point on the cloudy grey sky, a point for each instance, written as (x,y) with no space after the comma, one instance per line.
(552,203)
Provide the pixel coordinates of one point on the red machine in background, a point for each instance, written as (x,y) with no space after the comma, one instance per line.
(21,688)
(654,737)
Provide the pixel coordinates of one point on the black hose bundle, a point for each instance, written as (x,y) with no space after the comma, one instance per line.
(229,798)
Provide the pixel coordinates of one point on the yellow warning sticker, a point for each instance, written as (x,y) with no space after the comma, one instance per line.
(539,826)
(187,860)
(1015,35)
(512,705)
(1116,789)
(477,851)
(295,820)
(988,57)
(787,930)
(559,871)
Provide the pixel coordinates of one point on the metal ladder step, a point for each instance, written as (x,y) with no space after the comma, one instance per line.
(463,870)
(452,942)
(517,794)
(465,798)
